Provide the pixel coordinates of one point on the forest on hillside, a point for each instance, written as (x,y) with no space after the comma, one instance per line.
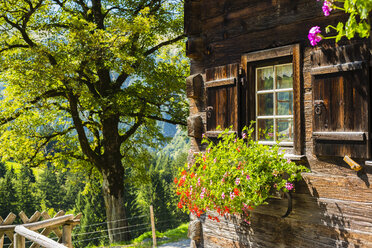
(50,189)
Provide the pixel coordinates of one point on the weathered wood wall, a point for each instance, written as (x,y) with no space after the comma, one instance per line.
(333,205)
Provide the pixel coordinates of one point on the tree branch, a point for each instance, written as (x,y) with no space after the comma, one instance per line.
(131,130)
(83,140)
(14,46)
(165,43)
(45,95)
(48,138)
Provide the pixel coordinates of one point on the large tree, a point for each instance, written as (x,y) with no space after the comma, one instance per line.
(87,81)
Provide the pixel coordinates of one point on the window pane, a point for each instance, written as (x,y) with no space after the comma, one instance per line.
(284,103)
(284,130)
(265,129)
(265,78)
(284,76)
(265,104)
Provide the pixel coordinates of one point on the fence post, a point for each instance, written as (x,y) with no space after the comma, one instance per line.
(19,241)
(66,235)
(153,226)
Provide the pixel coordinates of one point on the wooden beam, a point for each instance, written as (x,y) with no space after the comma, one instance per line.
(268,54)
(221,82)
(342,136)
(214,134)
(37,238)
(41,224)
(350,66)
(19,241)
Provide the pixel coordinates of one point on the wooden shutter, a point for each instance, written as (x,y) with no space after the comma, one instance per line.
(341,109)
(222,98)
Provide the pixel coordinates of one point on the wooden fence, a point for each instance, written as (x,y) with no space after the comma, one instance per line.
(61,225)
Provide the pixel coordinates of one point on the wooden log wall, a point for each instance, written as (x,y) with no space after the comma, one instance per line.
(332,206)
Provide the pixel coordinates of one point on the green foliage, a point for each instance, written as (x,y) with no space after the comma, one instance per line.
(51,190)
(8,194)
(26,192)
(90,203)
(235,175)
(358,22)
(2,170)
(158,191)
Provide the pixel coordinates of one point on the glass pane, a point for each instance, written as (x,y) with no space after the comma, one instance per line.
(265,78)
(284,103)
(265,129)
(284,76)
(265,104)
(284,130)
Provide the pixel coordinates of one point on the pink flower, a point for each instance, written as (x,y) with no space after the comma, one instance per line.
(314,35)
(202,193)
(270,134)
(223,195)
(327,7)
(222,180)
(237,181)
(199,181)
(248,177)
(215,160)
(211,182)
(209,150)
(288,161)
(244,136)
(288,186)
(232,195)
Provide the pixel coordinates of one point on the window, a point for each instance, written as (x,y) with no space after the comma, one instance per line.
(274,104)
(271,96)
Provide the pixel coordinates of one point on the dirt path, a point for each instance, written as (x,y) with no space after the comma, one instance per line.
(180,244)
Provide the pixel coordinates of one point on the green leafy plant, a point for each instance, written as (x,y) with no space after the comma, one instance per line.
(357,23)
(234,175)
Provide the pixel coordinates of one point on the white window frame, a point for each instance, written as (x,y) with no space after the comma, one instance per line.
(275,116)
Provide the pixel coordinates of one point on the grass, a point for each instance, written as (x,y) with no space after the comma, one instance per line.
(145,240)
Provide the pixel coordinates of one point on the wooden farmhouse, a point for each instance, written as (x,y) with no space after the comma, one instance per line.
(251,60)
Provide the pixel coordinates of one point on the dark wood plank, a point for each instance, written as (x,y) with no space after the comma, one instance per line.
(221,82)
(350,136)
(350,66)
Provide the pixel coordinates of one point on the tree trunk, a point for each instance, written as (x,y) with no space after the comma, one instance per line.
(113,194)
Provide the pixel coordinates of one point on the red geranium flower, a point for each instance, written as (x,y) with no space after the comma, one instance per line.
(175,180)
(236,191)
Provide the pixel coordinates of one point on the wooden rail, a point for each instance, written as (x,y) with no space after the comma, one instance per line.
(22,233)
(61,225)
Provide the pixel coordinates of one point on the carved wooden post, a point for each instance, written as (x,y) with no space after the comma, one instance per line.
(66,235)
(19,241)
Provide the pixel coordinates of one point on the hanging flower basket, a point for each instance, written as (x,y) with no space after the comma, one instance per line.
(234,176)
